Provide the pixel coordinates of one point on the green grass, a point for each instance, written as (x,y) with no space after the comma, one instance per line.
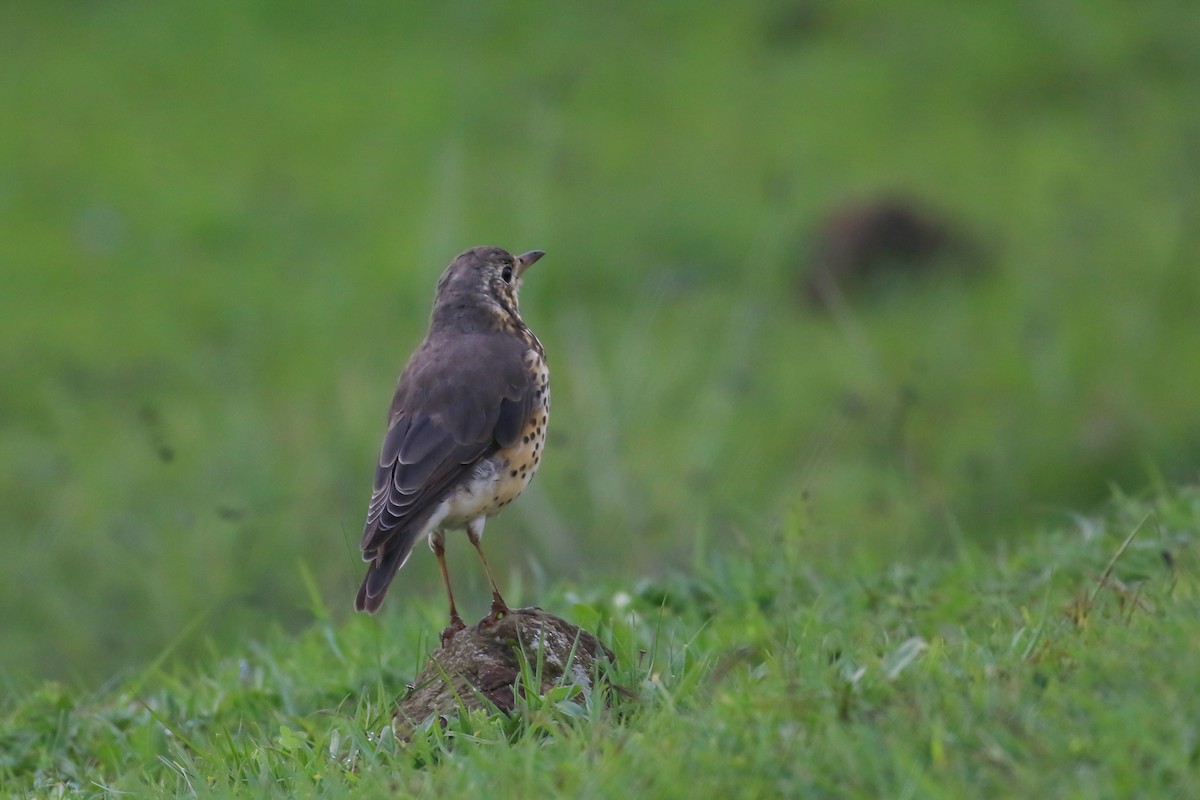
(857,551)
(1061,667)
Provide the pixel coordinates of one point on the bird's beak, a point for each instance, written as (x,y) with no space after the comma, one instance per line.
(525,260)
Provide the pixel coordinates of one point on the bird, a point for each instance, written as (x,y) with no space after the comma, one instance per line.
(466,428)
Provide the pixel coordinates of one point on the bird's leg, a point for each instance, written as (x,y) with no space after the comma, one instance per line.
(437,543)
(499,607)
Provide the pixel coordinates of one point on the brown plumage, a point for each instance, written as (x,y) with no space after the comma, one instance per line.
(466,427)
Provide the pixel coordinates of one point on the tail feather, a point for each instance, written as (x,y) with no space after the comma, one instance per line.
(383,568)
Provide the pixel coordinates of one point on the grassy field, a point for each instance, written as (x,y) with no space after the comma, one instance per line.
(220,226)
(1061,667)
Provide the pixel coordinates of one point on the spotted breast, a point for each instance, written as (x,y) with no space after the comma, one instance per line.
(500,479)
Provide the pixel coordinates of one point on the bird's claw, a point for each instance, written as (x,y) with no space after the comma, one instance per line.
(456,625)
(499,611)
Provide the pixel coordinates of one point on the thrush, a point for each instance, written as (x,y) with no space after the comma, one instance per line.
(466,427)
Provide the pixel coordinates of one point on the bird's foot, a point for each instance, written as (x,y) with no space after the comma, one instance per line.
(499,611)
(456,625)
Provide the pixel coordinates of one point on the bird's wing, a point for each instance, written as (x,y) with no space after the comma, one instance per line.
(449,412)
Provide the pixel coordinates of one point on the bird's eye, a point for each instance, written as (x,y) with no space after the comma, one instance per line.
(506,273)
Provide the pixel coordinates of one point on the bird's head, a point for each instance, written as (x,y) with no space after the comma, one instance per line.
(482,279)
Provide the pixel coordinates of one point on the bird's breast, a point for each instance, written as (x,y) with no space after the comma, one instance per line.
(499,479)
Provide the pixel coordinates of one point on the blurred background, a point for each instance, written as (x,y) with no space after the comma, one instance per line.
(901,273)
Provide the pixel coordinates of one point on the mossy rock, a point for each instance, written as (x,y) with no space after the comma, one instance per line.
(479,668)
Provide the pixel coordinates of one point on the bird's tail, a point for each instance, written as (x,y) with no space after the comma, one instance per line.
(383,567)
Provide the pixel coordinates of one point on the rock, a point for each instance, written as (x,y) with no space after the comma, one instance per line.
(872,242)
(478,667)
